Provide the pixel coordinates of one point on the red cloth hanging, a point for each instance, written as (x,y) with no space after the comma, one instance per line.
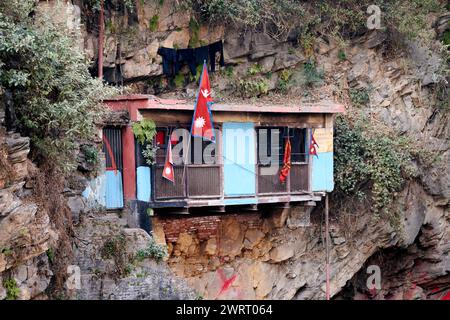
(313,146)
(168,166)
(160,137)
(284,172)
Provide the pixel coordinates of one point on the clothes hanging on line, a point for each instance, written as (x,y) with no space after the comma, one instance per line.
(169,57)
(201,55)
(214,48)
(185,56)
(174,59)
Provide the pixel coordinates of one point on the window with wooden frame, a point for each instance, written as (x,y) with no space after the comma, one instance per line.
(270,146)
(204,152)
(272,151)
(297,137)
(161,141)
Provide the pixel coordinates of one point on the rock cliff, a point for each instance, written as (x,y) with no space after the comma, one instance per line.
(272,254)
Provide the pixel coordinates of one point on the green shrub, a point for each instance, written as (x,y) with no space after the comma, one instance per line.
(90,153)
(313,76)
(337,18)
(179,80)
(283,80)
(254,69)
(12,291)
(144,131)
(6,251)
(229,71)
(372,162)
(341,55)
(128,4)
(50,255)
(359,97)
(153,250)
(253,88)
(194,29)
(154,23)
(57,101)
(446,38)
(115,248)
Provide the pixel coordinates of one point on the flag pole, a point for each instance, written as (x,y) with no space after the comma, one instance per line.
(190,133)
(327,250)
(185,158)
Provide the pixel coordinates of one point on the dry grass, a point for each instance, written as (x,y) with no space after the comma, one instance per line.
(49,184)
(6,170)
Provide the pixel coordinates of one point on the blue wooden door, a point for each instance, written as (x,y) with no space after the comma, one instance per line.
(112,147)
(143,175)
(239,152)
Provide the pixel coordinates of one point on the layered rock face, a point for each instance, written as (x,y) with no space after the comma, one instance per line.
(266,256)
(28,238)
(25,230)
(107,256)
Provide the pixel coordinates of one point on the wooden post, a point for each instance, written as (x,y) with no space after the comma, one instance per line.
(185,160)
(327,249)
(129,163)
(101,31)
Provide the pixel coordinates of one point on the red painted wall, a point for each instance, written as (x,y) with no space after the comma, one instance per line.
(129,164)
(129,161)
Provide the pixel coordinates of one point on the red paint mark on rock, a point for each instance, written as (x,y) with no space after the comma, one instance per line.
(446,296)
(226,283)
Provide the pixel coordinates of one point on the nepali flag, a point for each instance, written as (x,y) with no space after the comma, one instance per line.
(284,172)
(313,146)
(202,123)
(168,166)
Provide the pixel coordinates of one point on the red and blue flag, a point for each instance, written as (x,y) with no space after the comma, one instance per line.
(202,122)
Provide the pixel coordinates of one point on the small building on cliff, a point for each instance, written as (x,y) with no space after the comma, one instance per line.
(241,168)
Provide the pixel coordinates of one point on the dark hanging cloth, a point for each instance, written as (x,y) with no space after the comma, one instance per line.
(169,56)
(186,56)
(192,57)
(201,55)
(174,59)
(213,49)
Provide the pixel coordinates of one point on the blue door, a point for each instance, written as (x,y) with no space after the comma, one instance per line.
(112,147)
(239,152)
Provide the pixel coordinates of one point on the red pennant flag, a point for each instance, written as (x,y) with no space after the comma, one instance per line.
(313,146)
(286,161)
(168,166)
(202,123)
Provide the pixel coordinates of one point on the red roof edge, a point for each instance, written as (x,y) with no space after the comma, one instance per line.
(143,102)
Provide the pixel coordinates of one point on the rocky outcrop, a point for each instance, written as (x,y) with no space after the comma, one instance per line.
(420,270)
(101,239)
(262,257)
(25,230)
